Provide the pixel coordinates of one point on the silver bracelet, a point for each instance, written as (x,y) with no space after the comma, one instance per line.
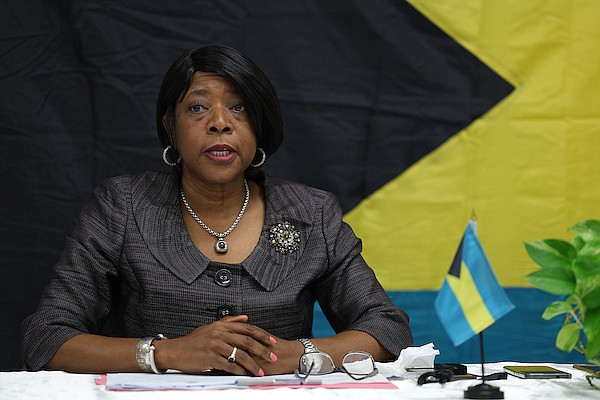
(144,354)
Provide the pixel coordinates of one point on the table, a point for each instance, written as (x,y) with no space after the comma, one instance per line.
(51,385)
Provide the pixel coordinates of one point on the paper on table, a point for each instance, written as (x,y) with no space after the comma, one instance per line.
(410,357)
(177,381)
(170,381)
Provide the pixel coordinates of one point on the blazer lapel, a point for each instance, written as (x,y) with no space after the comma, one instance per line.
(160,223)
(266,264)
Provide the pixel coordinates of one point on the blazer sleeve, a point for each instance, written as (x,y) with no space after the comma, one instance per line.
(78,297)
(349,294)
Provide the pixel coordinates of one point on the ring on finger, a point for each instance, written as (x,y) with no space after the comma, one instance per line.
(231,357)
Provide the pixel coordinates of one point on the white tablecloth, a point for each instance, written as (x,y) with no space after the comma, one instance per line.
(50,385)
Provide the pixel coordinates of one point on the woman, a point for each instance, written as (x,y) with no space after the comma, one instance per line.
(217,257)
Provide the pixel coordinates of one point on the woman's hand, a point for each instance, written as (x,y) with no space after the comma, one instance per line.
(288,355)
(209,346)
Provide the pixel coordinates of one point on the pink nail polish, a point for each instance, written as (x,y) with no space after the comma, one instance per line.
(273,357)
(261,372)
(273,340)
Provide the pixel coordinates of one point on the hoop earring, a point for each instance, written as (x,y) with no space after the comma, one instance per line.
(166,160)
(263,159)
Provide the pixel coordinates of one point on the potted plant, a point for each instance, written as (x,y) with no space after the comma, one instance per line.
(572,270)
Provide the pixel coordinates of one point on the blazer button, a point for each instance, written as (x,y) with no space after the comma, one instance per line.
(225,310)
(223,277)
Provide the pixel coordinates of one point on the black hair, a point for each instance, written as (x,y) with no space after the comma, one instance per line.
(261,99)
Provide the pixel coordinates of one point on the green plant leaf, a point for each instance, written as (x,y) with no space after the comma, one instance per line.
(586,266)
(590,248)
(553,280)
(591,328)
(578,243)
(592,299)
(551,253)
(587,229)
(587,288)
(591,323)
(567,337)
(557,308)
(592,351)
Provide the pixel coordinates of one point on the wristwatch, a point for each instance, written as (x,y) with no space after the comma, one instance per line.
(144,354)
(311,360)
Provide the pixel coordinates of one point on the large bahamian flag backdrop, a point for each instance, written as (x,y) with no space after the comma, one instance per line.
(412,113)
(528,166)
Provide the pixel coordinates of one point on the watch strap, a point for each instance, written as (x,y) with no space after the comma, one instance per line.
(309,347)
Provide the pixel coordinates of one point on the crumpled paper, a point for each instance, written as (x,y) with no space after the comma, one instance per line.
(410,357)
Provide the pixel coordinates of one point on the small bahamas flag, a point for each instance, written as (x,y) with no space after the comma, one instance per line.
(471,299)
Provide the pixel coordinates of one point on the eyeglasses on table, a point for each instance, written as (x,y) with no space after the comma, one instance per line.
(356,364)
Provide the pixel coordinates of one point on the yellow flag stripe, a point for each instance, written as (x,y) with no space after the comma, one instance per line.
(474,309)
(526,167)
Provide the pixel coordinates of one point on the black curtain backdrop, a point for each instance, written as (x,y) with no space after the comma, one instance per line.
(367,89)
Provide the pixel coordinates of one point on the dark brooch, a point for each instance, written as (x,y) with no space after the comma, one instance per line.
(284,237)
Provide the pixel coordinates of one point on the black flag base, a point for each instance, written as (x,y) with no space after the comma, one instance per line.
(483,391)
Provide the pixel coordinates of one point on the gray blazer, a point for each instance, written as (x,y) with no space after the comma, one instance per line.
(130,264)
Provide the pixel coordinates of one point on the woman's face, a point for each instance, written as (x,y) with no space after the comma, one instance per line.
(213,132)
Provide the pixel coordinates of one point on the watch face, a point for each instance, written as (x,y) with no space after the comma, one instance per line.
(308,359)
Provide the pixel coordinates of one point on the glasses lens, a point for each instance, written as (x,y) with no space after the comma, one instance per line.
(321,363)
(358,363)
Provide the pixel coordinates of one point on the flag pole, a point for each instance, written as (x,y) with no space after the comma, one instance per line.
(473,222)
(483,390)
(482,357)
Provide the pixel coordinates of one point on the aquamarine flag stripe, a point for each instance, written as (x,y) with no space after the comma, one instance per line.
(452,316)
(522,335)
(493,295)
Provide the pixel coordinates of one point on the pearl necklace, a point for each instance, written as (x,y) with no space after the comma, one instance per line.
(220,245)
